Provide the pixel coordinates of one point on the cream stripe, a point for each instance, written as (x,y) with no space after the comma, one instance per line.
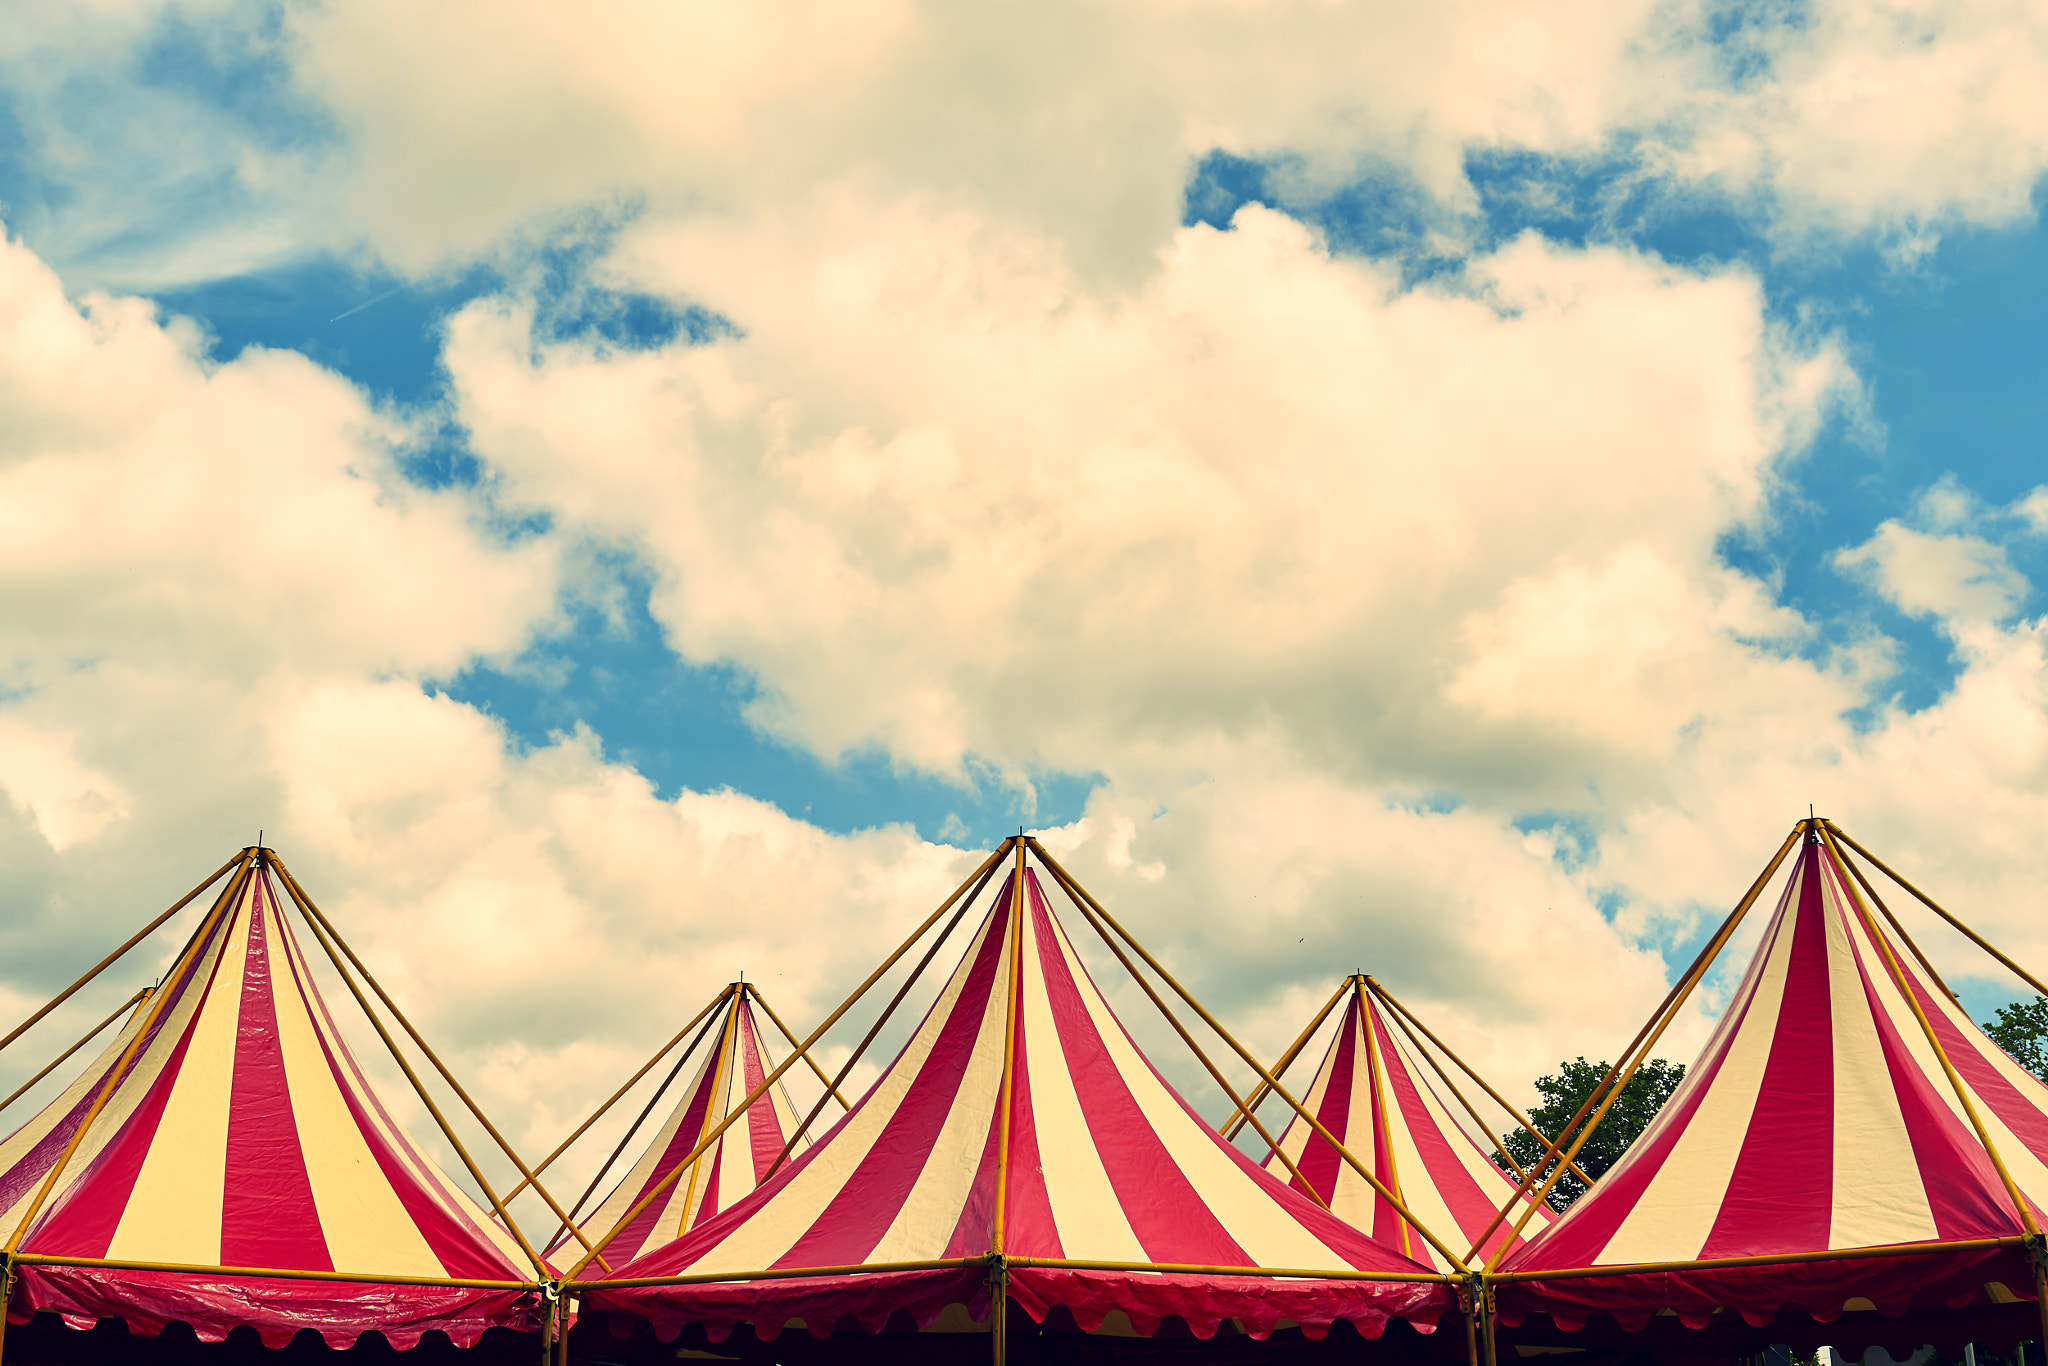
(630,1187)
(365,1225)
(174,1212)
(1085,1209)
(1267,1232)
(1879,1196)
(924,1223)
(1676,1210)
(759,1242)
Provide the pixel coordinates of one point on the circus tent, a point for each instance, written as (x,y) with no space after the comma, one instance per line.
(1020,1145)
(225,1161)
(1848,1140)
(721,1171)
(1375,1093)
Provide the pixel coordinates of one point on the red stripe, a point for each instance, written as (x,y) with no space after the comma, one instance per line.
(1171,1220)
(707,1205)
(456,1242)
(862,1210)
(1780,1194)
(268,1217)
(1470,1205)
(764,1127)
(1578,1238)
(681,1143)
(20,1179)
(1029,1229)
(83,1223)
(1319,1164)
(1963,1190)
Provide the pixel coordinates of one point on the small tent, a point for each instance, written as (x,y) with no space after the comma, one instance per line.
(1020,1150)
(226,1162)
(1848,1141)
(1383,1094)
(722,1170)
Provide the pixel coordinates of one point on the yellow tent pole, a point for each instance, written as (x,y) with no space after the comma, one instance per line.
(1927,967)
(888,1011)
(1379,1105)
(1215,1073)
(145,932)
(631,1082)
(721,1075)
(776,1020)
(1410,1022)
(1014,973)
(645,1110)
(308,909)
(90,1035)
(1234,1121)
(540,1265)
(1077,894)
(790,1061)
(1653,1029)
(1948,1068)
(1415,1043)
(121,1065)
(1932,905)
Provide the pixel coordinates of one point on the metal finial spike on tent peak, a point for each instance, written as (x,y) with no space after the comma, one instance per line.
(224,1162)
(1847,1137)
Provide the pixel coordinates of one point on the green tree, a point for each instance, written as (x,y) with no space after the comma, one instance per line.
(1630,1114)
(2021,1029)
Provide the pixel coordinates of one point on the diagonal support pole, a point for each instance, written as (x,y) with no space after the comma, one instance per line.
(776,1020)
(90,1035)
(761,1088)
(1234,1122)
(1079,893)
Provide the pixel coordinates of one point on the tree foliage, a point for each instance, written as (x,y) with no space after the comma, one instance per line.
(1630,1114)
(2021,1029)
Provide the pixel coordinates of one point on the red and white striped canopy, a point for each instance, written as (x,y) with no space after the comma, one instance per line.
(242,1133)
(1376,1098)
(1817,1119)
(736,1162)
(1084,1174)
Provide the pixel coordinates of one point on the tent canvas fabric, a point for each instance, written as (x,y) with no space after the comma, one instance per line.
(1082,1177)
(1374,1096)
(243,1133)
(736,1162)
(1818,1119)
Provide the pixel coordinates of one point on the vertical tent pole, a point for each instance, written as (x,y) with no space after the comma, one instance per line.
(1234,1122)
(145,932)
(761,1088)
(721,1075)
(312,913)
(1486,1306)
(121,1066)
(631,1082)
(999,1311)
(789,1145)
(1385,1136)
(1077,893)
(1609,1090)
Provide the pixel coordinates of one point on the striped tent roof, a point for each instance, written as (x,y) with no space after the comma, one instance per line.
(737,1160)
(239,1131)
(1373,1093)
(1818,1119)
(1077,1178)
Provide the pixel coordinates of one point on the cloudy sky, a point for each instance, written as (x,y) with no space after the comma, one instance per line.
(633,492)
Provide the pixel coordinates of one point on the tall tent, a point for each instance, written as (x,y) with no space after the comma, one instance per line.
(225,1162)
(728,1167)
(1848,1140)
(1021,1149)
(1374,1093)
